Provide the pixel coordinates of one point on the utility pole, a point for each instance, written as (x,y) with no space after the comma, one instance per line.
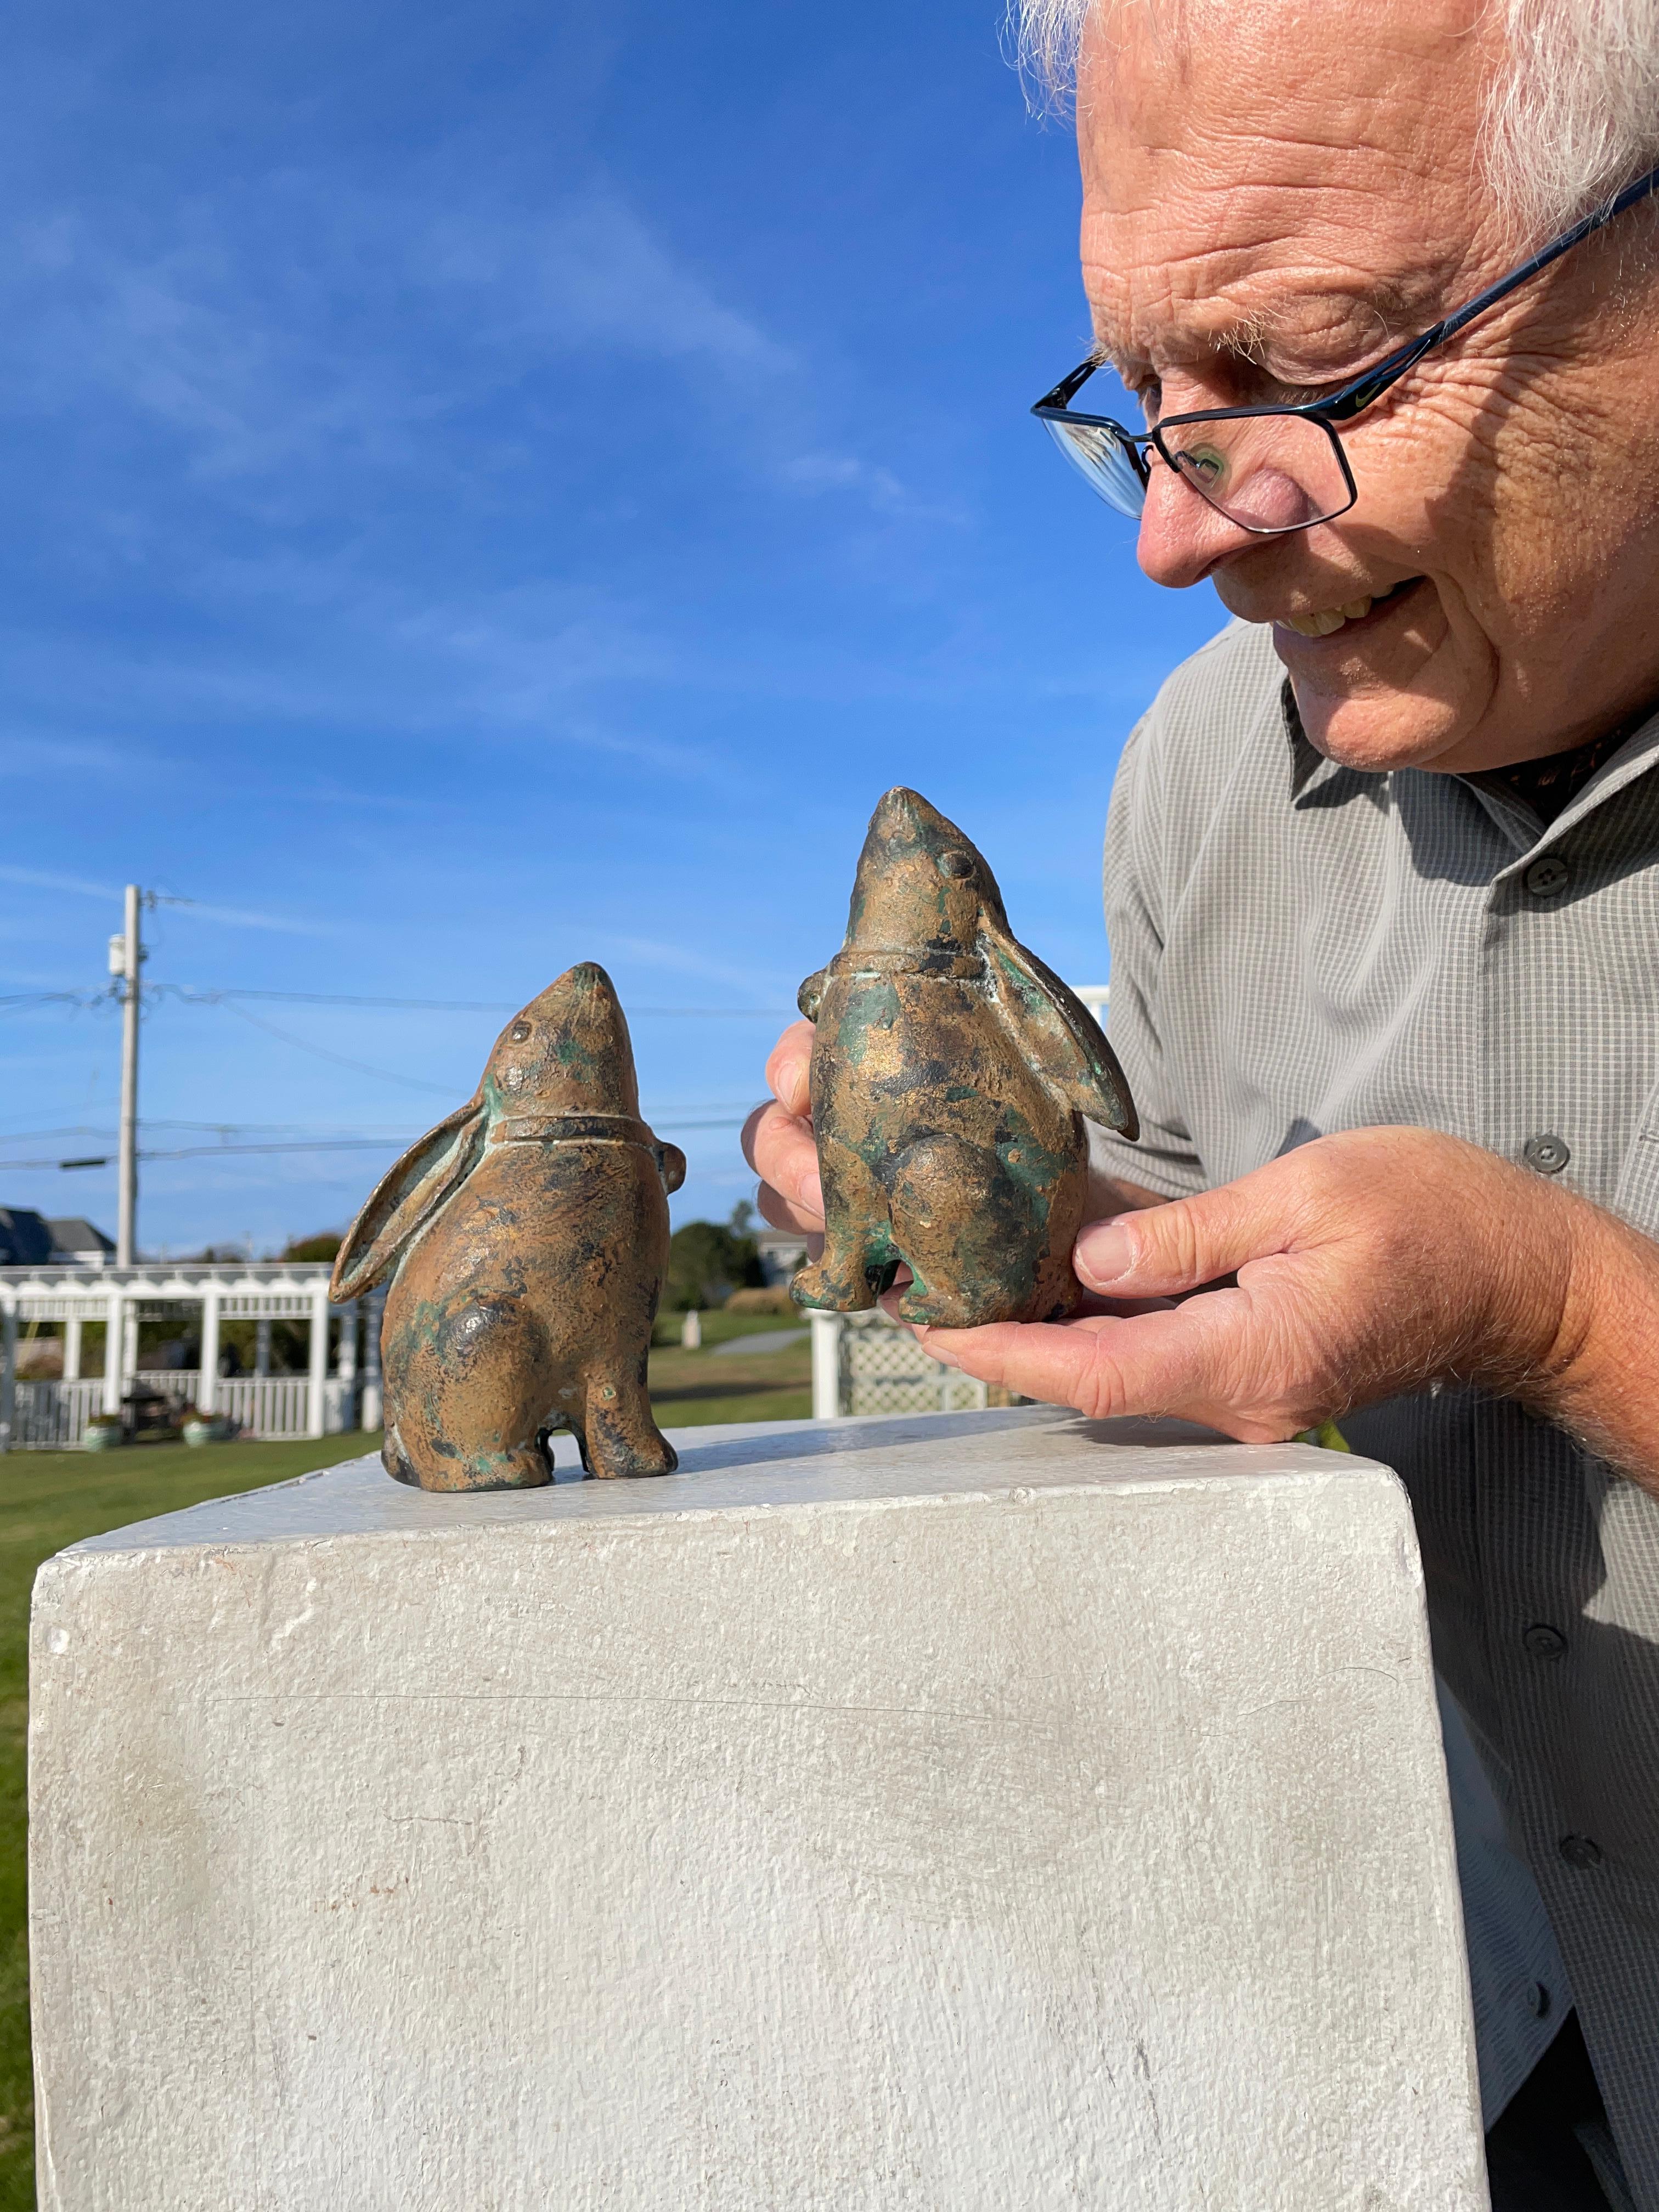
(126,955)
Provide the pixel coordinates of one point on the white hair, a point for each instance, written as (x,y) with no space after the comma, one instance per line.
(1572,116)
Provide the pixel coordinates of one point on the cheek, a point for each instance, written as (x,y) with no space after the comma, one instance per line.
(1564,510)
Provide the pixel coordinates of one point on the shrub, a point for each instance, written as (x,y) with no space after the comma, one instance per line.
(773,1299)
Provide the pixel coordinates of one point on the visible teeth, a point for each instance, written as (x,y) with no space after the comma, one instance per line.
(1330,619)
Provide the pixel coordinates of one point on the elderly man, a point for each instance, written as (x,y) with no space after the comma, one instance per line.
(1380,880)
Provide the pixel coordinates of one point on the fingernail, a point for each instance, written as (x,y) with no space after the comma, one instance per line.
(937,1346)
(811,1193)
(1105,1254)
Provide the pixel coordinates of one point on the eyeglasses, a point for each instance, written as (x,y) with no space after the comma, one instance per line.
(1271,469)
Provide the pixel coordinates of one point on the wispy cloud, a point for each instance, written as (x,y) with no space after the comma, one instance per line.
(592,274)
(51,756)
(37,879)
(272,363)
(233,917)
(684,960)
(236,917)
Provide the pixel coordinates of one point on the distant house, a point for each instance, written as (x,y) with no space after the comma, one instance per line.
(782,1251)
(75,1240)
(28,1239)
(25,1238)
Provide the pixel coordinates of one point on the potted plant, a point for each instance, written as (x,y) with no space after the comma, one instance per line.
(104,1432)
(199,1428)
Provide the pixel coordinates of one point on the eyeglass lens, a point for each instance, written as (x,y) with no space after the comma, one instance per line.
(1266,472)
(1105,462)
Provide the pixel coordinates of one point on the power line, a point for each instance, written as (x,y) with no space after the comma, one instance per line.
(321,1052)
(475,1005)
(192,995)
(308,1144)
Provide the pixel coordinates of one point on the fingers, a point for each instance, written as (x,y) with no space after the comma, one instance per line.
(788,1069)
(781,1149)
(1187,1242)
(1175,1361)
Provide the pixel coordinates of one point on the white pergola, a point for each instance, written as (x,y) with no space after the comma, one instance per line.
(235,1290)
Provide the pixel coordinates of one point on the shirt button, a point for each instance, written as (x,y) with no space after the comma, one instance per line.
(1548,1155)
(1547,878)
(1581,1851)
(1545,1642)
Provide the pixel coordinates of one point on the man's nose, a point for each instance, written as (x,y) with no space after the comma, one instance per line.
(1182,537)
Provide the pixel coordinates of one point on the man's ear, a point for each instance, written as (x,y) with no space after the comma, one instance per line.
(671,1165)
(406,1197)
(1057,1034)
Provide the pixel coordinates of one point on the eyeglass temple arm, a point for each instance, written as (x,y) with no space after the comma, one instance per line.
(1068,387)
(1345,405)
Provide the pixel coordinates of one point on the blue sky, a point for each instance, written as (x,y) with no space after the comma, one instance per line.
(491,487)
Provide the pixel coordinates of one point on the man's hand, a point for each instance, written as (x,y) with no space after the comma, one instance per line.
(778,1141)
(1356,1266)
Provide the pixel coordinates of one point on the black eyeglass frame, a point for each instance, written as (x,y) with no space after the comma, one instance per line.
(1352,397)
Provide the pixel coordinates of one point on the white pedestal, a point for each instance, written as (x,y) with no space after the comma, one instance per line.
(983,1813)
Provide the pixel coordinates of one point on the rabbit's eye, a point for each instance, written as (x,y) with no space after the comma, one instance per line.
(519,1032)
(956,863)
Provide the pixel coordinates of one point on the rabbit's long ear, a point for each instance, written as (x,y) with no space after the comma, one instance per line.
(1058,1034)
(406,1197)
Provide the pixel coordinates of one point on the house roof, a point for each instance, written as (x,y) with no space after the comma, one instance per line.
(73,1233)
(25,1238)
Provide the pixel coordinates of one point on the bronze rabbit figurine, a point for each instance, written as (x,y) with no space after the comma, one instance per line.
(526,1237)
(952,1075)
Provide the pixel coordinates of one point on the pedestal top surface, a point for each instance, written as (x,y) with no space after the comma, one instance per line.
(760,1467)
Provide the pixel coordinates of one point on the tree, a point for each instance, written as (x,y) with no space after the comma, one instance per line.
(323,1247)
(710,1260)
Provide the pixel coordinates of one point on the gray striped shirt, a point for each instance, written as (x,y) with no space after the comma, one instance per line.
(1299,948)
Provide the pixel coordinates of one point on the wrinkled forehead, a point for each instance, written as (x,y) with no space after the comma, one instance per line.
(1257,168)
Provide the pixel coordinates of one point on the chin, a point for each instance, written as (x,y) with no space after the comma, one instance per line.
(1377,731)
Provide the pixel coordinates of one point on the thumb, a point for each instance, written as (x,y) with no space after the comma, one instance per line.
(1164,1250)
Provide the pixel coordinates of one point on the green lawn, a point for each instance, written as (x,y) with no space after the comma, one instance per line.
(49,1499)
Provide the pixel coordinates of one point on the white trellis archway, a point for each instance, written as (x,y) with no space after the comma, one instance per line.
(43,1414)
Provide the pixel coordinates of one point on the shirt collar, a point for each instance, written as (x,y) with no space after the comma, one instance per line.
(1526,830)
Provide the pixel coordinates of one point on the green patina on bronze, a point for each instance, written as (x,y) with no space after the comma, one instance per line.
(526,1238)
(952,1074)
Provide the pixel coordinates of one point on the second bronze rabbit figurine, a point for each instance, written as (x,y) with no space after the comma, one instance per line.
(526,1237)
(952,1076)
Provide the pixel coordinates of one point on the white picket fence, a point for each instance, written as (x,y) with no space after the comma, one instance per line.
(264,1405)
(178,1383)
(54,1415)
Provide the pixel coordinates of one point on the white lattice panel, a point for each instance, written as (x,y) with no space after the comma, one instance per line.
(885,1370)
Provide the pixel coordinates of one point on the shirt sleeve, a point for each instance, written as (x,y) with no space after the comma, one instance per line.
(1163,1160)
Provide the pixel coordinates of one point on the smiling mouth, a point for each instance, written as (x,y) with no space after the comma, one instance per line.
(1330,620)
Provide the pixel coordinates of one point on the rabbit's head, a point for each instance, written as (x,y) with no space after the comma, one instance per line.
(924,896)
(567,1052)
(921,886)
